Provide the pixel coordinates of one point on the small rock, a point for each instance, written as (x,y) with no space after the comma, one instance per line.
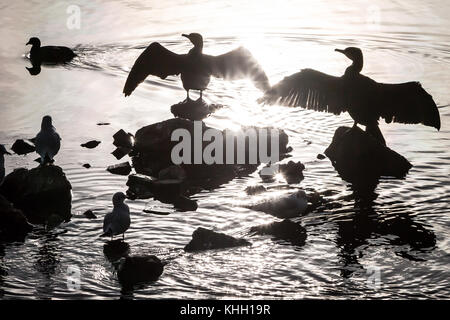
(137,270)
(90,215)
(123,139)
(286,206)
(285,230)
(122,169)
(121,152)
(292,171)
(320,156)
(91,144)
(86,165)
(21,147)
(116,249)
(183,203)
(252,190)
(204,239)
(103,124)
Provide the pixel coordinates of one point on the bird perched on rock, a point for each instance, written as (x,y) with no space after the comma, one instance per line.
(117,221)
(49,54)
(3,151)
(363,98)
(47,141)
(195,67)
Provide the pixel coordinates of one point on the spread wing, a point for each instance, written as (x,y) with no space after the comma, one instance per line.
(309,89)
(155,60)
(238,64)
(407,103)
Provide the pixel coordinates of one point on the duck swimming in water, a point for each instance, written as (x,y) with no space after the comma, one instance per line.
(363,98)
(195,67)
(48,54)
(47,141)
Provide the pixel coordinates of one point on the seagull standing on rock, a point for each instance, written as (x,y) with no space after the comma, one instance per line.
(117,221)
(3,151)
(47,141)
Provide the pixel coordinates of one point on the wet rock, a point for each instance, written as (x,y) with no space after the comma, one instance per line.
(121,152)
(320,156)
(21,147)
(252,190)
(137,270)
(292,171)
(86,165)
(42,193)
(204,239)
(14,225)
(122,169)
(116,249)
(103,124)
(144,187)
(173,172)
(123,139)
(359,158)
(91,144)
(90,214)
(285,230)
(285,206)
(183,203)
(193,109)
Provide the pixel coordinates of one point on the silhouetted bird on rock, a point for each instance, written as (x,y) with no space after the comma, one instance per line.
(49,54)
(118,221)
(363,98)
(195,67)
(47,141)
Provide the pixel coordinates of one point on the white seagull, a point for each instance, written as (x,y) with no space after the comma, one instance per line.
(117,221)
(47,141)
(3,151)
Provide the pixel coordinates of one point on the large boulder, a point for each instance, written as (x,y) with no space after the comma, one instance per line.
(14,225)
(204,239)
(359,158)
(43,194)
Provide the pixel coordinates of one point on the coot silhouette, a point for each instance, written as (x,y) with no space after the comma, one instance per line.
(49,54)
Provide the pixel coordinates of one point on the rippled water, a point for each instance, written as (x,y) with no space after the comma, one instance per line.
(404,232)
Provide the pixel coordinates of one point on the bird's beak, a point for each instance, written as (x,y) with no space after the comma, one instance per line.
(28,43)
(340,50)
(185,35)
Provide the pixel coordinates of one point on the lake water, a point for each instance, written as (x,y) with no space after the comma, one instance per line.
(401,41)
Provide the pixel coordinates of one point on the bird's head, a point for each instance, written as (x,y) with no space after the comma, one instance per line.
(46,122)
(34,42)
(353,53)
(118,198)
(3,150)
(195,38)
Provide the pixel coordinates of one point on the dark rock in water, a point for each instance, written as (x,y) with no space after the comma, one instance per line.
(359,158)
(86,165)
(23,147)
(194,109)
(284,206)
(285,230)
(116,249)
(320,156)
(172,172)
(123,139)
(121,152)
(90,214)
(183,203)
(204,239)
(14,225)
(91,144)
(122,169)
(143,187)
(42,193)
(252,190)
(292,171)
(137,270)
(103,124)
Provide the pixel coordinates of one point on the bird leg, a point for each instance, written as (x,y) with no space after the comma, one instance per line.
(201,94)
(123,236)
(375,132)
(187,95)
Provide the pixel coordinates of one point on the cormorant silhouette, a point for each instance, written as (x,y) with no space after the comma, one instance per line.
(195,67)
(363,98)
(48,54)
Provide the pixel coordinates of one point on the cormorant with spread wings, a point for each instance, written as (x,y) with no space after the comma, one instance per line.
(195,67)
(363,98)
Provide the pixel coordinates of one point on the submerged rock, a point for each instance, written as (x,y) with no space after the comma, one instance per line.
(292,171)
(14,225)
(286,206)
(90,214)
(360,158)
(122,169)
(116,249)
(194,109)
(21,147)
(252,190)
(42,193)
(91,144)
(204,239)
(137,270)
(285,230)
